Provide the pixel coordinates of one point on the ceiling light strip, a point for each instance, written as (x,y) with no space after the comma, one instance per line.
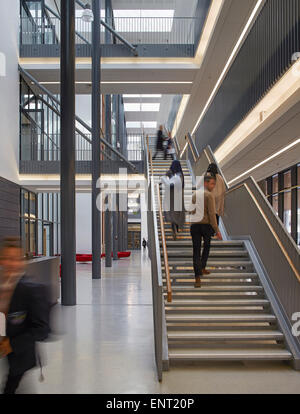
(288,147)
(229,62)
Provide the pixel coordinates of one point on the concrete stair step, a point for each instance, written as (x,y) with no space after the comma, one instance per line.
(214,263)
(231,288)
(216,310)
(220,244)
(209,294)
(217,302)
(216,276)
(238,354)
(213,283)
(207,318)
(214,252)
(225,335)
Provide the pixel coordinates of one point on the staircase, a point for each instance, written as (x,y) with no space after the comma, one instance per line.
(229,317)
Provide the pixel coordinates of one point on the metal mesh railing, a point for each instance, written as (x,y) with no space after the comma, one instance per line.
(136,30)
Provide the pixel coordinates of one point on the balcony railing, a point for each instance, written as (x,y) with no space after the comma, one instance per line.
(159,36)
(40,154)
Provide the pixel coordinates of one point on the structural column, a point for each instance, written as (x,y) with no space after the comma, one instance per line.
(96,125)
(67,181)
(115,227)
(108,232)
(108,20)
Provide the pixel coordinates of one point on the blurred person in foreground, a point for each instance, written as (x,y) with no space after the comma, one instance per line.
(25,307)
(203,227)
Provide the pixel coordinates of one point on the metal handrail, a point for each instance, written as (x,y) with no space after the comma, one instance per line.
(249,216)
(177,147)
(156,271)
(212,159)
(164,245)
(187,145)
(246,184)
(193,145)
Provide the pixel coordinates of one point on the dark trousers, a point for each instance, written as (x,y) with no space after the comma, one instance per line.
(218,219)
(199,232)
(162,151)
(12,383)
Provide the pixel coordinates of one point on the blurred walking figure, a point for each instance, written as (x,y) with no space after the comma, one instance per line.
(144,243)
(174,197)
(204,228)
(160,142)
(170,150)
(25,307)
(219,191)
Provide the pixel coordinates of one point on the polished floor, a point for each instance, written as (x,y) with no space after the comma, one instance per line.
(107,345)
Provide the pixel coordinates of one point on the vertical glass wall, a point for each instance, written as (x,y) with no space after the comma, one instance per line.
(39,126)
(40,223)
(283,193)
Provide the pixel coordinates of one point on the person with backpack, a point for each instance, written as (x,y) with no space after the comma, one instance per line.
(174,197)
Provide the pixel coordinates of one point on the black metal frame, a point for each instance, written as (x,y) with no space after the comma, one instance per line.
(269,190)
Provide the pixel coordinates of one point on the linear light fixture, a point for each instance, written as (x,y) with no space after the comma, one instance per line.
(180,113)
(212,18)
(184,148)
(122,82)
(243,134)
(230,60)
(288,147)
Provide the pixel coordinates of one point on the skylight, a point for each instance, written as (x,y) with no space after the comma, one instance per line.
(128,95)
(143,13)
(149,124)
(144,107)
(146,125)
(132,124)
(134,21)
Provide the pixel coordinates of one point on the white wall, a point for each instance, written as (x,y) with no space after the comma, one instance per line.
(9,90)
(83,223)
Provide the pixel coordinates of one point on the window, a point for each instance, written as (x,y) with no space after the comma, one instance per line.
(40,223)
(283,192)
(134,147)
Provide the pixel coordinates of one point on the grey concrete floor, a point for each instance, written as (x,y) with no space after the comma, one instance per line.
(107,346)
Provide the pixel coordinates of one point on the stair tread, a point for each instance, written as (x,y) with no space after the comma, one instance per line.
(219,262)
(184,288)
(208,353)
(214,302)
(213,252)
(225,334)
(222,317)
(217,276)
(231,297)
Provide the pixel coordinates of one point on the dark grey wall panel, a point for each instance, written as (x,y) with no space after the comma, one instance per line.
(264,57)
(9,209)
